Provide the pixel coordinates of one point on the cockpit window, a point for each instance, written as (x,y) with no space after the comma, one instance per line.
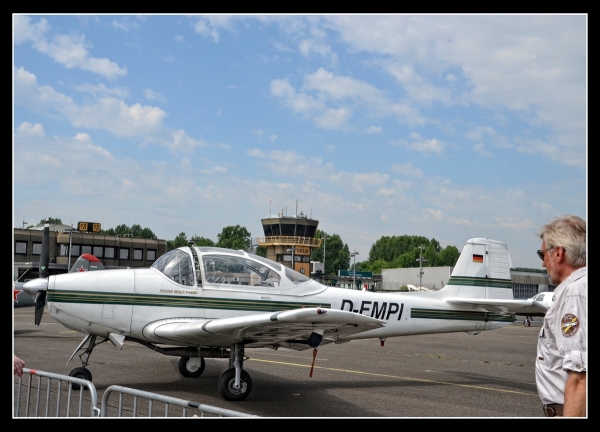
(177,266)
(234,270)
(540,297)
(295,277)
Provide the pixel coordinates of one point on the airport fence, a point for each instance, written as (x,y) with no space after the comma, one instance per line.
(45,394)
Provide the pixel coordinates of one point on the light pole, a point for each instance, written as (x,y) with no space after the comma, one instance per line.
(353,255)
(24,223)
(421,261)
(325,237)
(292,250)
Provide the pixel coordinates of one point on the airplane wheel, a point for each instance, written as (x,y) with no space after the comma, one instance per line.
(81,373)
(526,323)
(227,381)
(191,367)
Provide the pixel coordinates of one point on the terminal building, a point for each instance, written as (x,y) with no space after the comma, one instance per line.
(67,244)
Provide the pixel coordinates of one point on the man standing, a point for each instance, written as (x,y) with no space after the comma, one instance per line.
(561,363)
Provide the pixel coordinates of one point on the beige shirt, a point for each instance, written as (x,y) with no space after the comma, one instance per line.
(562,340)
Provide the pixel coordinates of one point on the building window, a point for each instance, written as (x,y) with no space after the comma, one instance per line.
(98,252)
(123,253)
(21,247)
(151,255)
(63,249)
(109,252)
(75,250)
(86,249)
(36,248)
(138,254)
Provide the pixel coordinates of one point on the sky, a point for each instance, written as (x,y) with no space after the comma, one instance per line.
(450,127)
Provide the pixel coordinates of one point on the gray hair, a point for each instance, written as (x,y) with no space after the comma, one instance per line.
(569,232)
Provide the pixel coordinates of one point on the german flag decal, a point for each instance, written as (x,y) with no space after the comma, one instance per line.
(478,258)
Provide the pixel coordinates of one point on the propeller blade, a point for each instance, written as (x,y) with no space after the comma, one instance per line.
(40,302)
(45,256)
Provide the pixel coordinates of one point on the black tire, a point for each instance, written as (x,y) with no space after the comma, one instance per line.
(190,371)
(81,373)
(227,381)
(526,323)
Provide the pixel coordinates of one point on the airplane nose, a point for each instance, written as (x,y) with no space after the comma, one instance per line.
(33,286)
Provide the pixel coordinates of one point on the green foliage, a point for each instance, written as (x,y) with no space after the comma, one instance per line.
(530,270)
(404,252)
(51,221)
(403,288)
(234,237)
(202,241)
(337,253)
(261,251)
(180,240)
(135,231)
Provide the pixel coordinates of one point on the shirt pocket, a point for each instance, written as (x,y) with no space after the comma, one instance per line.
(547,356)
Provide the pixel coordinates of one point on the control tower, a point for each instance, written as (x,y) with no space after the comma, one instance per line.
(290,239)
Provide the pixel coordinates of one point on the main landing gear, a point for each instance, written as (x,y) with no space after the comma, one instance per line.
(235,383)
(527,322)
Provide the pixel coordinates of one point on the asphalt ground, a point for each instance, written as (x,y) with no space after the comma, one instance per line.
(442,375)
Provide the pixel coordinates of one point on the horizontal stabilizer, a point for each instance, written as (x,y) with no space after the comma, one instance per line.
(522,307)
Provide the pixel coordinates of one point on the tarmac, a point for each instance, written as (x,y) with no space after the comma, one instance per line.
(449,375)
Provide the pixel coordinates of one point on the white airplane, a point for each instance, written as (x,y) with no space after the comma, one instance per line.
(541,304)
(209,302)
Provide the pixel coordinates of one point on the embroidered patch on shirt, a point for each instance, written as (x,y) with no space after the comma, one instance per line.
(569,325)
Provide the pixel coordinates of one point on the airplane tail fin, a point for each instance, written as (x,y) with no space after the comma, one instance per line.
(482,271)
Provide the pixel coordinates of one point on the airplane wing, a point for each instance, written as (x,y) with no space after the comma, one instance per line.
(521,307)
(289,329)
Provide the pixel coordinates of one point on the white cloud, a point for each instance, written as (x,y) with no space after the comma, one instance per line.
(479,148)
(69,50)
(27,128)
(425,146)
(209,26)
(257,133)
(273,137)
(100,89)
(337,98)
(154,95)
(126,23)
(407,170)
(373,129)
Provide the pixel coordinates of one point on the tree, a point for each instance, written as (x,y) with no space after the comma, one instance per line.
(261,251)
(202,241)
(234,237)
(136,231)
(51,221)
(180,240)
(337,253)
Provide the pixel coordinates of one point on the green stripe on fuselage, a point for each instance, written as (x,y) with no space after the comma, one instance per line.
(480,282)
(460,315)
(98,297)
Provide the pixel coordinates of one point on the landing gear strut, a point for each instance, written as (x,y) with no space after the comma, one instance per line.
(235,383)
(83,372)
(527,322)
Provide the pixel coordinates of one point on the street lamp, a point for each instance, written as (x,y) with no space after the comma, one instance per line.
(24,223)
(353,255)
(292,249)
(325,237)
(421,261)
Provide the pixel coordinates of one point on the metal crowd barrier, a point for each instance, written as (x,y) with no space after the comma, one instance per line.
(166,400)
(53,403)
(38,398)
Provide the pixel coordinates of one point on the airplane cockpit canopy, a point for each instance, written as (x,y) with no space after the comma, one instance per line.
(177,266)
(231,267)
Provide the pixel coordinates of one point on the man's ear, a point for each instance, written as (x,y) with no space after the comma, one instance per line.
(560,254)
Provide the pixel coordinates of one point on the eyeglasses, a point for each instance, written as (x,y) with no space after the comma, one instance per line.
(542,253)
